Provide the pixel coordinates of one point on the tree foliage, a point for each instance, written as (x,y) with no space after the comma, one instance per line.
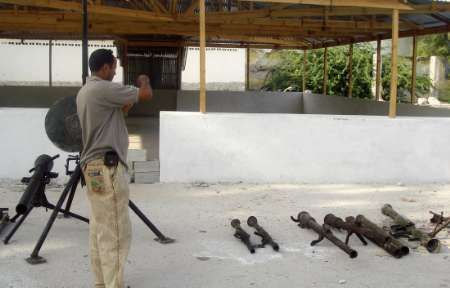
(434,45)
(289,71)
(423,83)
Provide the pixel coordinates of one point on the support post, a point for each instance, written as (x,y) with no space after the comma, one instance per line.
(85,42)
(50,58)
(325,70)
(305,54)
(394,76)
(202,56)
(350,71)
(126,78)
(378,76)
(414,72)
(247,69)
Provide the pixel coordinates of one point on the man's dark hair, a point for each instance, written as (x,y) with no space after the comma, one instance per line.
(99,58)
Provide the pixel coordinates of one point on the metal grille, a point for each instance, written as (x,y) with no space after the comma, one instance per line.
(162,64)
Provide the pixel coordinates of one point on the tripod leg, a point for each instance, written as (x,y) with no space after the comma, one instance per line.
(161,238)
(69,201)
(13,231)
(34,257)
(13,219)
(76,216)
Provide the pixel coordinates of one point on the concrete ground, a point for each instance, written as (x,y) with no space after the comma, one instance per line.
(207,255)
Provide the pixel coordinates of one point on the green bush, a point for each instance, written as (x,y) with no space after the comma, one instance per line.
(423,83)
(289,72)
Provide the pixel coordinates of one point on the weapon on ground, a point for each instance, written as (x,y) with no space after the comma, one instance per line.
(438,218)
(380,237)
(266,239)
(405,227)
(4,219)
(348,226)
(34,193)
(307,222)
(440,221)
(369,231)
(242,235)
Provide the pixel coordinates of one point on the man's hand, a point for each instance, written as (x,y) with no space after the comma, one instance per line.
(142,80)
(145,90)
(127,108)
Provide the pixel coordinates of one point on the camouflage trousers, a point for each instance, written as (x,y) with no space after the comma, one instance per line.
(110,226)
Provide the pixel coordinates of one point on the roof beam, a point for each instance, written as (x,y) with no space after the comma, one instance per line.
(441,18)
(383,4)
(343,26)
(191,8)
(335,11)
(93,9)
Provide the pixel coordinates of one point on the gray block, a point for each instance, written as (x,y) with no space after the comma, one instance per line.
(146,178)
(146,166)
(137,155)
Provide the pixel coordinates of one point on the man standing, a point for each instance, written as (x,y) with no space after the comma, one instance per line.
(101,105)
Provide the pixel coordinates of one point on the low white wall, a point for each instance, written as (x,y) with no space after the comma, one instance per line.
(335,105)
(23,139)
(270,148)
(242,101)
(44,97)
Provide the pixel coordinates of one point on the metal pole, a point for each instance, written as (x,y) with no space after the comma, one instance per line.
(414,72)
(350,71)
(394,69)
(304,70)
(325,70)
(50,63)
(247,69)
(85,42)
(202,56)
(378,76)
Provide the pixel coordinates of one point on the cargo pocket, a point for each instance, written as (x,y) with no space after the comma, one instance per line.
(95,180)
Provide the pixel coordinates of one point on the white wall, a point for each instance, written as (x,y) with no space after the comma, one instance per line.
(23,139)
(241,102)
(321,104)
(222,65)
(271,148)
(29,61)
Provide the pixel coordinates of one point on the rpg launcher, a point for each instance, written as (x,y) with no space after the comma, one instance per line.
(266,239)
(307,222)
(242,235)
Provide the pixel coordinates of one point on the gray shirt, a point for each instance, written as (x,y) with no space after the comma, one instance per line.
(99,107)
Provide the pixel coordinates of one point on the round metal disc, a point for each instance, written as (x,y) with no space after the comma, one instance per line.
(63,126)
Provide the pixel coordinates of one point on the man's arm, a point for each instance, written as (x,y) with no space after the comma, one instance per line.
(145,92)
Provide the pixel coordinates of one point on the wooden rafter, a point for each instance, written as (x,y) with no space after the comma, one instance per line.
(191,8)
(280,24)
(160,7)
(384,4)
(260,24)
(93,9)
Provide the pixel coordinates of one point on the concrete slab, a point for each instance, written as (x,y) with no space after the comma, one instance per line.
(289,148)
(146,177)
(146,166)
(207,255)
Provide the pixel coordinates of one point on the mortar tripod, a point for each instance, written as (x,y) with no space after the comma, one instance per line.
(71,186)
